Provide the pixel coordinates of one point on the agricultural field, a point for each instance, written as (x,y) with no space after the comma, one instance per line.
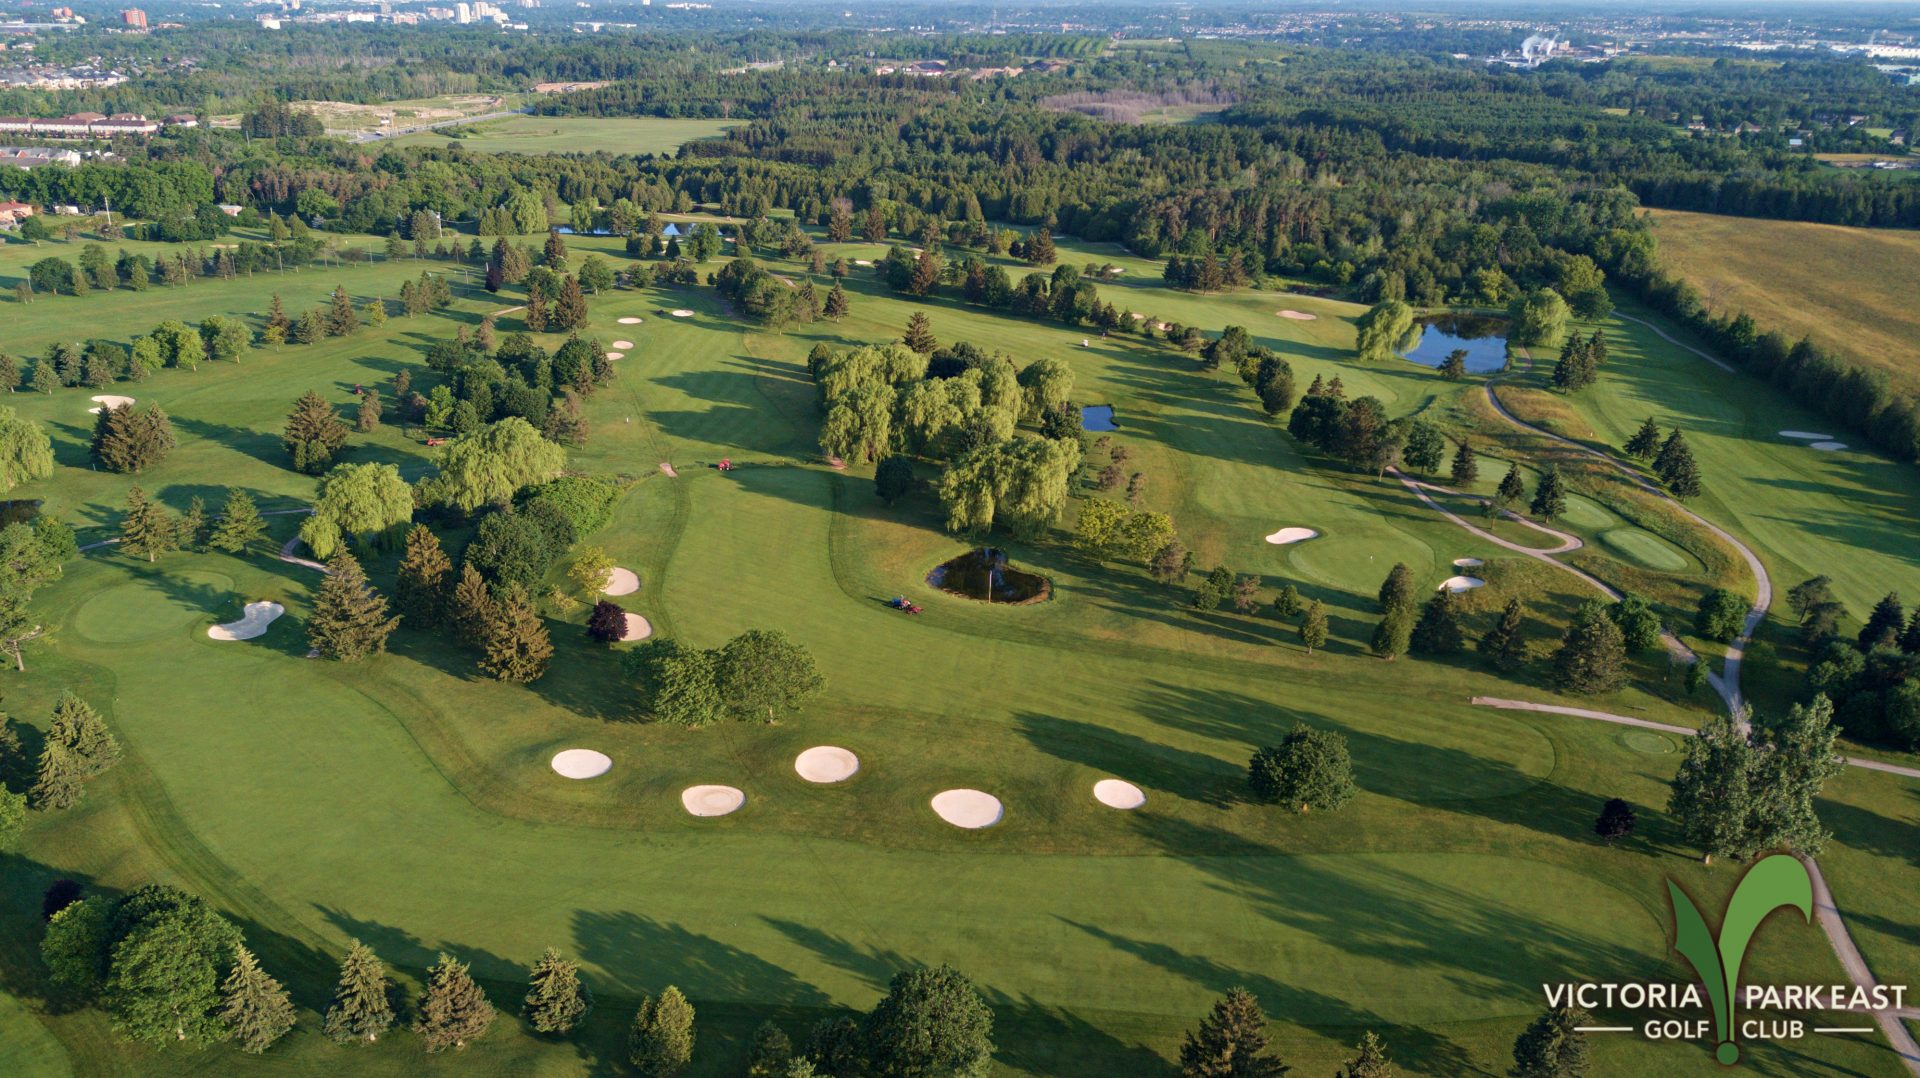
(1851,289)
(408,802)
(566,134)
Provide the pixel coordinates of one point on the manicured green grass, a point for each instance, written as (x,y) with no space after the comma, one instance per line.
(409,803)
(567,134)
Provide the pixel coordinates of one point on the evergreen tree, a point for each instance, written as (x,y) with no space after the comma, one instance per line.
(1550,496)
(1676,467)
(453,1010)
(253,1006)
(920,334)
(1466,466)
(1512,488)
(837,305)
(1231,1042)
(570,309)
(1394,633)
(147,530)
(421,592)
(58,779)
(472,607)
(1883,624)
(1288,602)
(771,1054)
(366,417)
(1593,654)
(1454,367)
(554,254)
(557,1000)
(517,645)
(340,318)
(1503,645)
(349,619)
(362,1006)
(313,434)
(1645,443)
(240,524)
(660,1043)
(1396,592)
(1437,632)
(1039,249)
(1313,627)
(128,441)
(79,728)
(1552,1046)
(193,523)
(1369,1061)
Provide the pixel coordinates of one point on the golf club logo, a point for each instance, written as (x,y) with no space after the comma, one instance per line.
(1773,883)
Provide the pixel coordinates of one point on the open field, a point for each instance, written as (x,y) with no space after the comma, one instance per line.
(1851,289)
(407,802)
(569,134)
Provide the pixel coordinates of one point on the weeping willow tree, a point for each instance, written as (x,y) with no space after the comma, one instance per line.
(358,502)
(491,465)
(1386,330)
(1021,484)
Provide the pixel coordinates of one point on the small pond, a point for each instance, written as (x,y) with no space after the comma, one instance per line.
(1482,336)
(985,575)
(1098,417)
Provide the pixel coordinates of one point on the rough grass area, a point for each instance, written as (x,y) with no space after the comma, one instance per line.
(567,134)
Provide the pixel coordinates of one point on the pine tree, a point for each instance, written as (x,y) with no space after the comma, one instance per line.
(472,607)
(240,524)
(1882,628)
(1039,249)
(771,1054)
(1369,1061)
(557,1000)
(660,1043)
(1231,1042)
(1466,466)
(1645,442)
(554,254)
(517,645)
(535,315)
(349,619)
(570,310)
(837,307)
(1593,653)
(1392,635)
(193,523)
(920,334)
(1437,632)
(421,592)
(1503,645)
(1676,467)
(253,1006)
(367,416)
(1288,602)
(340,318)
(1553,1046)
(362,1006)
(78,727)
(1396,592)
(1550,495)
(1512,488)
(277,315)
(453,1010)
(57,779)
(1313,627)
(313,434)
(147,530)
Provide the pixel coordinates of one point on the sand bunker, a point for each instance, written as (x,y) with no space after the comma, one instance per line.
(826,763)
(863,262)
(1292,535)
(1827,447)
(1806,436)
(681,312)
(623,344)
(1461,583)
(667,470)
(1467,563)
(621,582)
(581,763)
(967,808)
(616,355)
(637,628)
(1298,316)
(629,321)
(712,800)
(254,619)
(108,400)
(1115,793)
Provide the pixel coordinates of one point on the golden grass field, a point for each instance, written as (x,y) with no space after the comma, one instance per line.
(1853,289)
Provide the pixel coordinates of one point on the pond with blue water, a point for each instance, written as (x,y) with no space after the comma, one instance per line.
(1483,337)
(1098,417)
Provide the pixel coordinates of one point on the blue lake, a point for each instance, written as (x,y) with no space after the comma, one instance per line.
(1483,337)
(1098,417)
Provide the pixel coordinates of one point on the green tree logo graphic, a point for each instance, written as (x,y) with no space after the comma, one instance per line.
(1772,883)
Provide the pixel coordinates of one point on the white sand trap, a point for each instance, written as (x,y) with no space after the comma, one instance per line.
(667,470)
(1139,317)
(1467,563)
(1298,316)
(581,763)
(629,321)
(1461,583)
(712,800)
(826,763)
(616,355)
(1292,535)
(621,582)
(1806,436)
(967,808)
(254,619)
(681,312)
(1826,447)
(108,400)
(1119,794)
(863,262)
(623,344)
(638,628)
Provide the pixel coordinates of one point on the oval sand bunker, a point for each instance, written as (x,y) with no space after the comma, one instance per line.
(637,628)
(616,355)
(1292,535)
(623,344)
(681,312)
(825,764)
(581,763)
(1827,447)
(1806,435)
(971,809)
(629,321)
(1467,563)
(1461,583)
(621,582)
(1298,316)
(712,800)
(254,619)
(1119,794)
(108,400)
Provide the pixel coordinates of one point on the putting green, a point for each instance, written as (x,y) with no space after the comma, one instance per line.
(1647,741)
(1586,513)
(151,608)
(1646,548)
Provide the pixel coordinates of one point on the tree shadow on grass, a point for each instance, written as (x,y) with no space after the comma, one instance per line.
(644,955)
(1190,775)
